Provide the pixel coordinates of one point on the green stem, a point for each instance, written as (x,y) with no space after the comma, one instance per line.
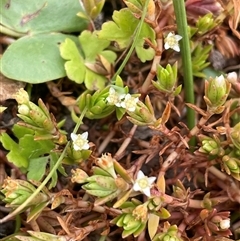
(10,32)
(181,19)
(49,176)
(18,224)
(139,28)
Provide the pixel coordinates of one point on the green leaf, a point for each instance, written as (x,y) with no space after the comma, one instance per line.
(28,148)
(94,81)
(120,113)
(14,155)
(53,160)
(38,16)
(34,59)
(122,31)
(37,167)
(36,211)
(20,131)
(74,66)
(91,48)
(92,45)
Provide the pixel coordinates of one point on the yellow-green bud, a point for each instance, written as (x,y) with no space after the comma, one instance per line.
(22,97)
(216,93)
(235,135)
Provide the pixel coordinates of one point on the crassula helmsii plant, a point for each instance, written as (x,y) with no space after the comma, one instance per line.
(193,194)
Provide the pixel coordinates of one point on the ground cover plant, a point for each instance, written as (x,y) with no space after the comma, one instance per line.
(120,120)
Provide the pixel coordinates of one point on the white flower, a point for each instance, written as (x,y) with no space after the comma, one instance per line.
(225,224)
(114,98)
(80,141)
(232,77)
(220,81)
(171,41)
(130,103)
(143,183)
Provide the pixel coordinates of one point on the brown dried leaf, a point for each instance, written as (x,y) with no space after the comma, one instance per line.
(235,19)
(197,109)
(9,87)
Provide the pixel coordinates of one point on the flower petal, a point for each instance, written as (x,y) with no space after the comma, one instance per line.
(178,37)
(74,137)
(136,187)
(146,191)
(166,46)
(151,180)
(140,175)
(176,48)
(84,135)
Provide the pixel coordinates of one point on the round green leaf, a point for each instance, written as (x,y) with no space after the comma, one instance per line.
(38,16)
(35,59)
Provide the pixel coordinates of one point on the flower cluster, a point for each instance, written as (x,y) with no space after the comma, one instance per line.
(125,101)
(133,218)
(38,118)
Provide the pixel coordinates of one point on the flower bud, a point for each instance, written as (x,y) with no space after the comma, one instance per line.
(141,213)
(169,233)
(22,97)
(101,186)
(18,191)
(221,223)
(211,146)
(235,81)
(235,135)
(96,104)
(225,224)
(129,224)
(167,79)
(232,77)
(106,163)
(93,7)
(23,109)
(144,113)
(79,176)
(205,23)
(216,93)
(232,166)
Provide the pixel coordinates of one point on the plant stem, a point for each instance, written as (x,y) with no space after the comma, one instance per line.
(139,28)
(49,176)
(10,32)
(181,19)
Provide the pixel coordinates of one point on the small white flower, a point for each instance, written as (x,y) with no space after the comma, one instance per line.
(225,224)
(114,98)
(220,81)
(129,103)
(171,41)
(232,77)
(143,183)
(80,141)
